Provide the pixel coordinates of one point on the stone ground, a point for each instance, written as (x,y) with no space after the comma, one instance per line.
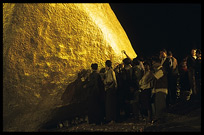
(184,116)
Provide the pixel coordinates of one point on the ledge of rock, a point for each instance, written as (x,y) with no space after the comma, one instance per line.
(44,47)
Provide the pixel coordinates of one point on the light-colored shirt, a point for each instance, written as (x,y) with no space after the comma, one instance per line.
(110,77)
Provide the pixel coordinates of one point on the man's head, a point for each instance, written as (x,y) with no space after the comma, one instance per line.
(94,66)
(135,61)
(108,63)
(193,52)
(169,54)
(127,61)
(163,53)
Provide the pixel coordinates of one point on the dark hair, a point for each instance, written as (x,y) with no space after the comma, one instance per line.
(108,63)
(198,51)
(147,62)
(103,70)
(135,61)
(169,53)
(193,49)
(140,58)
(127,61)
(155,58)
(94,66)
(164,50)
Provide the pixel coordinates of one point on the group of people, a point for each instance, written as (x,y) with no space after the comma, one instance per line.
(140,88)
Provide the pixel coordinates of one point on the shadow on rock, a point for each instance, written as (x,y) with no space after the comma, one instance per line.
(74,102)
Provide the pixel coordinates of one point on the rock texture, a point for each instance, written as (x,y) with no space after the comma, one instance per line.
(45,45)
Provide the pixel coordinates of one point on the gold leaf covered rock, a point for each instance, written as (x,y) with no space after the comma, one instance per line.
(45,45)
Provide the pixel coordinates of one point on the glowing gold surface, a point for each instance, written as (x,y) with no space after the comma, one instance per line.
(44,46)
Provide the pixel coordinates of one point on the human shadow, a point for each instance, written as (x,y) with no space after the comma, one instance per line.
(74,102)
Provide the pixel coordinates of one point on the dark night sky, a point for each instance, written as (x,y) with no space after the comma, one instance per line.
(151,27)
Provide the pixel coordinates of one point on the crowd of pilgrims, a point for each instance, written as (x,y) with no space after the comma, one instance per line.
(142,88)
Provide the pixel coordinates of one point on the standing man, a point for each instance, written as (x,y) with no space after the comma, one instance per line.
(128,87)
(191,63)
(110,84)
(96,105)
(166,64)
(198,73)
(172,78)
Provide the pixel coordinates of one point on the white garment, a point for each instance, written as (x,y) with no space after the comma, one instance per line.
(110,77)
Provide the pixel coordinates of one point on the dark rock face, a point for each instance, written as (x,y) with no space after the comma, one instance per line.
(44,47)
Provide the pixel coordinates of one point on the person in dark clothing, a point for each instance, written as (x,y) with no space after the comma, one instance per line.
(164,60)
(184,81)
(119,92)
(191,62)
(172,78)
(128,86)
(96,103)
(137,75)
(198,72)
(166,64)
(110,84)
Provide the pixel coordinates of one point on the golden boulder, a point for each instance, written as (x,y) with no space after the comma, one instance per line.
(45,45)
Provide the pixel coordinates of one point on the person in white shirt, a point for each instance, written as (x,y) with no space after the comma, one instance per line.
(110,84)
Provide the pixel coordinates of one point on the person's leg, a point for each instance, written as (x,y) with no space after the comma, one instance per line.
(160,105)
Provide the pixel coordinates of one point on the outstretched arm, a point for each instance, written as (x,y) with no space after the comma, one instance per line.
(123,51)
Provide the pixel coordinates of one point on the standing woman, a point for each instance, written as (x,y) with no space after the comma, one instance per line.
(110,84)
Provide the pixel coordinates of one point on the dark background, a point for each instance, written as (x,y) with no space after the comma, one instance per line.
(151,27)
